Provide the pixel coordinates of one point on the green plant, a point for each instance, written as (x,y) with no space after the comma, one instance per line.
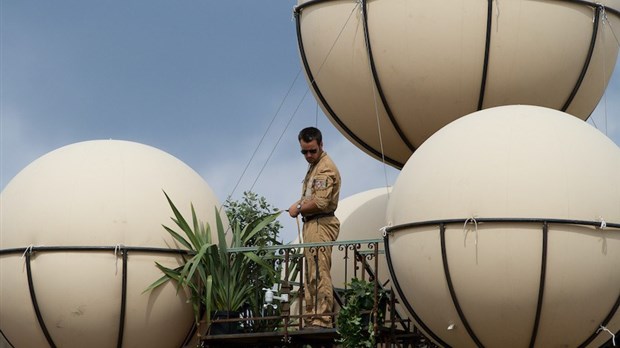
(216,278)
(354,321)
(250,208)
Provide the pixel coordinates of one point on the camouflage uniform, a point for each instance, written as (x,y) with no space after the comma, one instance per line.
(321,184)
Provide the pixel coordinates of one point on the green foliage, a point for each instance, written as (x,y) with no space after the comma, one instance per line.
(215,278)
(354,321)
(250,208)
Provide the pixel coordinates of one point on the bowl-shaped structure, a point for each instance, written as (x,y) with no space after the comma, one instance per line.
(81,228)
(397,71)
(505,231)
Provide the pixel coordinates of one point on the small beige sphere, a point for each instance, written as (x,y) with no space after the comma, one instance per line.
(104,193)
(361,217)
(510,163)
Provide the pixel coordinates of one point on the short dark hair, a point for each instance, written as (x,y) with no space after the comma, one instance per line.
(310,133)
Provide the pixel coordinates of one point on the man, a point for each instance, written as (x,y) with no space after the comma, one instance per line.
(320,192)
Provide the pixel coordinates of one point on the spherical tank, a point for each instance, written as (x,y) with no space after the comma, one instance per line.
(81,229)
(505,231)
(390,73)
(361,217)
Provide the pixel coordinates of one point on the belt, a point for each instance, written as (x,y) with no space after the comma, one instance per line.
(316,216)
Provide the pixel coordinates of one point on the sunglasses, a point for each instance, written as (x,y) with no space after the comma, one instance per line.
(313,151)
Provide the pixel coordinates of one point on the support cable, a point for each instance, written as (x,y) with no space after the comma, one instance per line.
(345,129)
(298,105)
(377,84)
(302,98)
(265,134)
(604,20)
(273,149)
(374,95)
(6,339)
(586,64)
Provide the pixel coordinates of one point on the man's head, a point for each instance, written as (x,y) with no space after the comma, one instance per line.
(311,142)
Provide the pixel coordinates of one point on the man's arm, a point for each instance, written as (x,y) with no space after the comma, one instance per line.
(304,207)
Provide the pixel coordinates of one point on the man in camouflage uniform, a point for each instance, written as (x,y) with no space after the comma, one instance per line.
(320,192)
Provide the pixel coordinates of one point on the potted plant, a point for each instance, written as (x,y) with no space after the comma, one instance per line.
(216,279)
(355,322)
(246,210)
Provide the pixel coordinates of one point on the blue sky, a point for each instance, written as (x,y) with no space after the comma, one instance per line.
(200,80)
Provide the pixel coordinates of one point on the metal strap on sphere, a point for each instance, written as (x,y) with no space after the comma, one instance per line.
(545,229)
(598,10)
(28,251)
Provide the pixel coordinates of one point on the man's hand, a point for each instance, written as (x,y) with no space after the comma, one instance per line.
(294,210)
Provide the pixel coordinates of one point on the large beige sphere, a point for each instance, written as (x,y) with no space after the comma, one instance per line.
(101,194)
(510,163)
(424,64)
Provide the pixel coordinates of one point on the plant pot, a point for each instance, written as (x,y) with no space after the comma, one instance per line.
(381,310)
(226,327)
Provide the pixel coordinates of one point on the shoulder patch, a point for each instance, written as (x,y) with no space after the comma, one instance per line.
(320,184)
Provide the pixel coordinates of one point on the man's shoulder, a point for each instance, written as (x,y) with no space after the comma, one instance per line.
(326,163)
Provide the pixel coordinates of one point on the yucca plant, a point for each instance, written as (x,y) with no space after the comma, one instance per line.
(215,278)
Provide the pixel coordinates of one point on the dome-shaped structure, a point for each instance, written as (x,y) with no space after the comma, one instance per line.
(505,231)
(361,217)
(80,231)
(397,71)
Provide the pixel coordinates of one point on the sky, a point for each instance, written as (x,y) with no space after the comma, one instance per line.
(200,80)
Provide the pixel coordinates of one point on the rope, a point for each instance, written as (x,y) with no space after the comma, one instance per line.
(384,231)
(316,115)
(466,231)
(379,131)
(613,336)
(301,101)
(117,248)
(613,33)
(318,72)
(27,251)
(611,28)
(603,21)
(497,16)
(603,223)
(265,134)
(278,141)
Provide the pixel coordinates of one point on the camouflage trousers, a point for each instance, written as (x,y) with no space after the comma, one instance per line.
(318,291)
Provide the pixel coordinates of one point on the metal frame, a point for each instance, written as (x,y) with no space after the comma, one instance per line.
(124,251)
(598,10)
(544,235)
(319,94)
(362,267)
